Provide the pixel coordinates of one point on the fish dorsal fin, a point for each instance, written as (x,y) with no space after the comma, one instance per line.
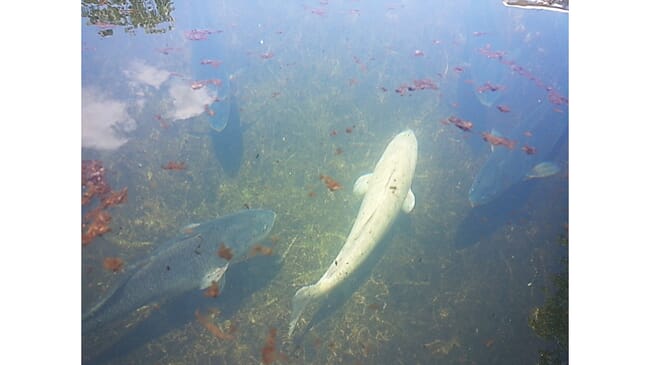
(215,275)
(409,202)
(495,133)
(361,185)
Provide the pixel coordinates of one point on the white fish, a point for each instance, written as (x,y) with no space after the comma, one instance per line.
(387,191)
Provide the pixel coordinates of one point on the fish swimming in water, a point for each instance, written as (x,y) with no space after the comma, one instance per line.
(387,191)
(505,168)
(188,262)
(213,75)
(228,143)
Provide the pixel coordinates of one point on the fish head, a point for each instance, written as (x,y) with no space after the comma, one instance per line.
(247,228)
(404,143)
(483,190)
(404,140)
(263,221)
(488,183)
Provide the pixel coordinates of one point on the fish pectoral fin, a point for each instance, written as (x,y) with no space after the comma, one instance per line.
(409,202)
(361,185)
(542,169)
(216,275)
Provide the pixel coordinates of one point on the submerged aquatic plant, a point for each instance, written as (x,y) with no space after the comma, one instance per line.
(551,321)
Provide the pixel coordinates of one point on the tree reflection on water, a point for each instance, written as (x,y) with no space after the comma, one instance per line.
(154,16)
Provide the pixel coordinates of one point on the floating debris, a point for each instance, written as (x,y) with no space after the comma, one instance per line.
(113,264)
(331,184)
(211,327)
(269,353)
(212,291)
(173,165)
(114,198)
(225,252)
(495,140)
(261,250)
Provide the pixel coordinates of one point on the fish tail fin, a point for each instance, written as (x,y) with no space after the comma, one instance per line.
(94,317)
(303,297)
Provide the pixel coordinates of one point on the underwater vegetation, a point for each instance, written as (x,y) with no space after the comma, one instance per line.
(551,321)
(312,122)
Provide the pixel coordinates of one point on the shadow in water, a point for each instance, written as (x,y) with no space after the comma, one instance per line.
(242,280)
(484,220)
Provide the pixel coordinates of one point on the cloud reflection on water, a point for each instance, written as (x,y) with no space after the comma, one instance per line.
(104,121)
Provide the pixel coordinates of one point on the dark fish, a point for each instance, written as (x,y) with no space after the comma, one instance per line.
(228,144)
(216,79)
(506,167)
(188,262)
